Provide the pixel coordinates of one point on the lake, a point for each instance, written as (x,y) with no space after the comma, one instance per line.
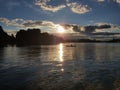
(83,66)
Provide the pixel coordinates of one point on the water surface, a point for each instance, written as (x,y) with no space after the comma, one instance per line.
(87,66)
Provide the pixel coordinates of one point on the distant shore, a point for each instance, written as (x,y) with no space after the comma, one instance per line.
(35,37)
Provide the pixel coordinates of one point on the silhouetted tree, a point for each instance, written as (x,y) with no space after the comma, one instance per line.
(12,39)
(30,36)
(34,36)
(4,37)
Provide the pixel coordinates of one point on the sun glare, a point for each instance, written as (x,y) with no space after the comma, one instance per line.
(60,29)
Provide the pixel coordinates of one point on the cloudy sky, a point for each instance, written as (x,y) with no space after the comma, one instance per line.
(46,14)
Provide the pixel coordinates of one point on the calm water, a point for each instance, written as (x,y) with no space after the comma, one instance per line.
(88,66)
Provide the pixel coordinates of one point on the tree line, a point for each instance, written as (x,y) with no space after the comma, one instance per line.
(35,37)
(28,37)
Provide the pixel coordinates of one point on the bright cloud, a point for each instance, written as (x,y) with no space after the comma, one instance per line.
(43,4)
(4,20)
(38,23)
(52,8)
(75,7)
(14,22)
(21,23)
(43,25)
(100,0)
(25,23)
(50,26)
(78,8)
(118,1)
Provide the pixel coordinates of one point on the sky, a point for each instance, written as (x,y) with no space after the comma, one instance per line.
(101,15)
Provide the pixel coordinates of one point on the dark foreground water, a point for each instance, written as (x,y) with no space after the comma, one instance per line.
(88,66)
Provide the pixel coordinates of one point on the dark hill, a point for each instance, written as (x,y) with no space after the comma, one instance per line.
(5,38)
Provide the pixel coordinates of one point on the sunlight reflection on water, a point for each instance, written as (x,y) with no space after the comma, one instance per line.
(57,66)
(61,52)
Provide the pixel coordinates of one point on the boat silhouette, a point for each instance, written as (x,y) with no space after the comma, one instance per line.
(71,45)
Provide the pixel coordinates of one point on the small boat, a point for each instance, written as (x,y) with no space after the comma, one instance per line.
(71,45)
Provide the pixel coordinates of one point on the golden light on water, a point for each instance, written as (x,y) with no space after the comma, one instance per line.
(61,52)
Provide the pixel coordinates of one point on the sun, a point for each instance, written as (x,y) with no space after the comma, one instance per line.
(60,29)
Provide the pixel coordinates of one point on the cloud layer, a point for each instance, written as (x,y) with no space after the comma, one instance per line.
(74,6)
(21,23)
(117,1)
(93,29)
(100,0)
(44,6)
(51,26)
(79,8)
(25,23)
